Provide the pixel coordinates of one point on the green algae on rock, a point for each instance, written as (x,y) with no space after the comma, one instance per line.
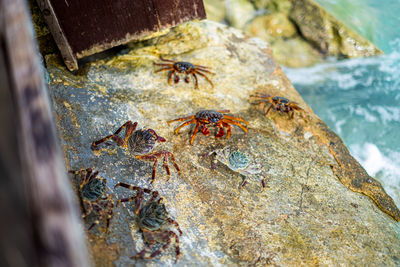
(304,216)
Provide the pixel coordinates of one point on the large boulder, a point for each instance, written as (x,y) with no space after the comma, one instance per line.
(306,215)
(286,24)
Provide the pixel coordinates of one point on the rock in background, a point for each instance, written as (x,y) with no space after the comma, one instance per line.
(301,32)
(305,215)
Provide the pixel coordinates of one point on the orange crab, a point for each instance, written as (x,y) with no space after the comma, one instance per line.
(215,118)
(184,67)
(279,103)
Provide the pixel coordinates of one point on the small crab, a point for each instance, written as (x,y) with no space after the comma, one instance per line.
(237,162)
(140,143)
(186,68)
(153,220)
(92,193)
(215,118)
(278,103)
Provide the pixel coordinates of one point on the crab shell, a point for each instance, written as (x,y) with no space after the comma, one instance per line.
(141,142)
(152,216)
(93,189)
(237,161)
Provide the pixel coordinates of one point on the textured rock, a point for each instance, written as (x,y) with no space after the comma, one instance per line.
(304,216)
(328,34)
(280,21)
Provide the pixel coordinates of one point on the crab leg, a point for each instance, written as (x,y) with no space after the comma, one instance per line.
(229,129)
(139,195)
(205,77)
(96,222)
(181,119)
(224,111)
(184,124)
(153,174)
(168,60)
(130,128)
(194,133)
(200,66)
(165,246)
(109,216)
(170,76)
(196,86)
(262,96)
(163,68)
(269,109)
(220,131)
(259,101)
(88,208)
(204,70)
(176,224)
(172,157)
(132,187)
(144,251)
(236,119)
(165,161)
(159,138)
(235,123)
(83,179)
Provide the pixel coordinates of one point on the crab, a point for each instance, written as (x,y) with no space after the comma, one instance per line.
(187,68)
(141,143)
(92,193)
(153,220)
(278,103)
(237,161)
(213,117)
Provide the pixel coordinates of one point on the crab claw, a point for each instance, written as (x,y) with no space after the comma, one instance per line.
(161,139)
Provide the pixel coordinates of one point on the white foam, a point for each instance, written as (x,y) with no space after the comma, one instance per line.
(387,114)
(365,113)
(378,164)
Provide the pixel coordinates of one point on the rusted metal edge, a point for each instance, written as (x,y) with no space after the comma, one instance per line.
(69,57)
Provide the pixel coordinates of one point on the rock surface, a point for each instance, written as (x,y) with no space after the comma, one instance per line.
(304,216)
(293,23)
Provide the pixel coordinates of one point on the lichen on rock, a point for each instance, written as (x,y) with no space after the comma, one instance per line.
(304,216)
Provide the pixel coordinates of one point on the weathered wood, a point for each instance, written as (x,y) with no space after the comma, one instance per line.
(39,225)
(85,27)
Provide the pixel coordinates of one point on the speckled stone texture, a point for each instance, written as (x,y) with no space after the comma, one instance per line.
(304,216)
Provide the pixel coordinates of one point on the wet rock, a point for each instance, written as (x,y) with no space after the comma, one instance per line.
(281,21)
(239,13)
(296,53)
(274,26)
(215,10)
(327,34)
(304,216)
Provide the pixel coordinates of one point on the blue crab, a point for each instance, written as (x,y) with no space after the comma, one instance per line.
(239,162)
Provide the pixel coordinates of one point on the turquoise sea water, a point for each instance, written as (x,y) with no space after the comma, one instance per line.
(360,100)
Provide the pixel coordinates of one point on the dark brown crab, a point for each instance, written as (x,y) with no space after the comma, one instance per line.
(278,103)
(154,222)
(187,68)
(140,143)
(213,117)
(92,193)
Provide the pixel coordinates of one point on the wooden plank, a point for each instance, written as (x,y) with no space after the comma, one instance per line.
(59,36)
(40,224)
(91,26)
